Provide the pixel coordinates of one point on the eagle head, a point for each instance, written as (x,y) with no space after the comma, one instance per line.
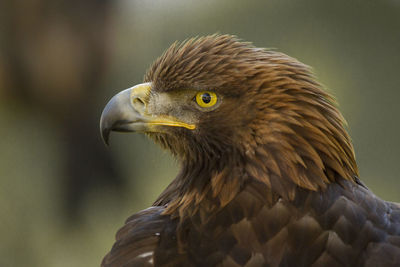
(216,101)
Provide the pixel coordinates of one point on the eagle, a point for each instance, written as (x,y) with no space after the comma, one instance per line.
(267,176)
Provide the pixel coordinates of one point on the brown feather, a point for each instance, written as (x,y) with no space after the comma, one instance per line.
(269,178)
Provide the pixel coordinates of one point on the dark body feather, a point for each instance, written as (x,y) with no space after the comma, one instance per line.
(344,226)
(268,179)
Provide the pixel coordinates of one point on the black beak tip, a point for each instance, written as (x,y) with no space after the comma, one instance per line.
(105,135)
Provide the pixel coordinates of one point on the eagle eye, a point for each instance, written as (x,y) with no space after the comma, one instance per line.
(206,99)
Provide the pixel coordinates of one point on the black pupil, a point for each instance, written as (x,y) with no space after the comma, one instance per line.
(206,98)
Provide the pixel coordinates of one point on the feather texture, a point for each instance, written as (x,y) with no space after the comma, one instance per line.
(269,178)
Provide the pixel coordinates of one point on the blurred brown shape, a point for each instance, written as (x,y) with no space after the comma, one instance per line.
(52,58)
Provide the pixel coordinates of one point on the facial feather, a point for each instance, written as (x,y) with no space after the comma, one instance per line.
(274,116)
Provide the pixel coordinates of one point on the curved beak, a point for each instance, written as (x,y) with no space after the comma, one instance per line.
(127,112)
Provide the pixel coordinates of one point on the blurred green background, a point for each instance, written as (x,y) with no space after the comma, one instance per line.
(63,194)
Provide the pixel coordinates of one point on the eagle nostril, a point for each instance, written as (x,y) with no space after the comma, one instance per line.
(138,103)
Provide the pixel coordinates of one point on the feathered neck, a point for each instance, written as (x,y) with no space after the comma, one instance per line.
(304,147)
(293,139)
(298,139)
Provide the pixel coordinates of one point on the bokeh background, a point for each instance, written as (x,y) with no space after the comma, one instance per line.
(63,194)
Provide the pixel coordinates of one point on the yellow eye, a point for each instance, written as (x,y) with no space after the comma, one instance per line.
(206,99)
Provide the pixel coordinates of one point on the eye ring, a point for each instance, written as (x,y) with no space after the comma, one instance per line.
(206,99)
